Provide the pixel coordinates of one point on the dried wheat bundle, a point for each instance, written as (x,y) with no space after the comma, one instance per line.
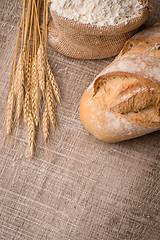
(32,83)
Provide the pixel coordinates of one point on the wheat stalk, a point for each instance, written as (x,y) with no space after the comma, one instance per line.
(41,67)
(50,103)
(12,73)
(31,77)
(28,64)
(45,123)
(10,112)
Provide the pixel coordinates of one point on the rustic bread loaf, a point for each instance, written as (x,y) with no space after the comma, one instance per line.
(123,101)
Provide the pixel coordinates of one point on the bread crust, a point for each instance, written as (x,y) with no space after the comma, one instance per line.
(135,73)
(104,124)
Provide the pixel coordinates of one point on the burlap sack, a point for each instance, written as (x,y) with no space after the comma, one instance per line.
(84,41)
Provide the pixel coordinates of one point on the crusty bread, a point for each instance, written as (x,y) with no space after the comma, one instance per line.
(123,102)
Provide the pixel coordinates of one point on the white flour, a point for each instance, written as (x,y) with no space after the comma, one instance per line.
(98,12)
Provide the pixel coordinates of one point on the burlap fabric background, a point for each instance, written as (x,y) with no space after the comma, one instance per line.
(75,188)
(82,41)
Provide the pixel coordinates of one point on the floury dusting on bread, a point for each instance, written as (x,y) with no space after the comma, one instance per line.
(98,12)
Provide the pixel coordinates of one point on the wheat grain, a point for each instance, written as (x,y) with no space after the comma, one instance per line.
(45,123)
(41,67)
(31,134)
(10,112)
(50,103)
(35,92)
(54,83)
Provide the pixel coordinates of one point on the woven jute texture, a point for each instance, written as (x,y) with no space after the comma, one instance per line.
(76,187)
(84,41)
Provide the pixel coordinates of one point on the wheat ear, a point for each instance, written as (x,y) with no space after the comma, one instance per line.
(49,72)
(18,73)
(35,92)
(28,62)
(31,134)
(19,86)
(50,103)
(41,67)
(19,80)
(20,100)
(53,83)
(45,123)
(10,112)
(28,85)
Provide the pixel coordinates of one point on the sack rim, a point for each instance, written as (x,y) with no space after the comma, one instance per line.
(133,23)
